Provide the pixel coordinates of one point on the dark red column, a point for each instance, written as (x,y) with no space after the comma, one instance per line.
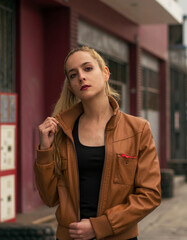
(164,115)
(56,47)
(135,79)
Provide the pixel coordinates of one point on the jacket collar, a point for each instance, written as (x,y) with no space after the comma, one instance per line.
(68,117)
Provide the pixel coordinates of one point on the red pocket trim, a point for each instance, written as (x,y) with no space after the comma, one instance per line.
(125,156)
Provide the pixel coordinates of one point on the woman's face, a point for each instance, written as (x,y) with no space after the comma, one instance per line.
(86,79)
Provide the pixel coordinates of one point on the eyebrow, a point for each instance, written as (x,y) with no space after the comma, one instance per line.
(82,65)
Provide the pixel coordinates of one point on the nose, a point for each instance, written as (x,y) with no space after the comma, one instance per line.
(81,76)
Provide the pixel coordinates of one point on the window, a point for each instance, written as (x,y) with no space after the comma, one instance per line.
(150,90)
(178,112)
(150,100)
(118,79)
(6,46)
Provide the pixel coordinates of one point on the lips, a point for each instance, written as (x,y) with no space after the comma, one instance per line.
(84,87)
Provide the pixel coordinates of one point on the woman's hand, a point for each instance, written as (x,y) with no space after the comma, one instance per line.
(82,230)
(47,132)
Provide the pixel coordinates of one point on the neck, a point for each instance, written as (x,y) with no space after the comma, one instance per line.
(97,108)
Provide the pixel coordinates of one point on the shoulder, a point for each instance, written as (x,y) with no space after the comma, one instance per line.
(131,125)
(134,121)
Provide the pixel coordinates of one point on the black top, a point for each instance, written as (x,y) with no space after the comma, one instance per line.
(90,165)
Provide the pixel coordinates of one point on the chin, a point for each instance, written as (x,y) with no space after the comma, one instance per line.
(87,97)
(90,95)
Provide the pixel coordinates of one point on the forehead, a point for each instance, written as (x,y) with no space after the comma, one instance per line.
(78,58)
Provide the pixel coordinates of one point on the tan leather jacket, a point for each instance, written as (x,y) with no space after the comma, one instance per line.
(130,186)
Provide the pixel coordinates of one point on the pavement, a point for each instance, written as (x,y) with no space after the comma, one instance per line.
(167,222)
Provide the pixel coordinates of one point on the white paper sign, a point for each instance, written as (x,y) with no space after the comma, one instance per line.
(7,184)
(7,147)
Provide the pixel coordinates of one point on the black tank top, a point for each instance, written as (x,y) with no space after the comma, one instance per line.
(90,165)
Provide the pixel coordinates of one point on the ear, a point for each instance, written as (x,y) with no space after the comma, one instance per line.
(106,73)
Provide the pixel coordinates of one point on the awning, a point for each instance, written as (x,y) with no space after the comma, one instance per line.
(148,11)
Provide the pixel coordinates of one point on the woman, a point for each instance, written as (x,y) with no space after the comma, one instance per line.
(97,164)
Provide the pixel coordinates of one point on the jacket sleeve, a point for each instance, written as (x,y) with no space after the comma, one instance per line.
(46,181)
(147,195)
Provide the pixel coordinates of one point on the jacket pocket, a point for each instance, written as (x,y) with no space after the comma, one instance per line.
(125,169)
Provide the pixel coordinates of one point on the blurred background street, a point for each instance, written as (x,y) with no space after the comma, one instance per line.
(144,44)
(169,220)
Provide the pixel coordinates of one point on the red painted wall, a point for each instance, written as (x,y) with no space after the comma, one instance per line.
(154,39)
(42,44)
(31,101)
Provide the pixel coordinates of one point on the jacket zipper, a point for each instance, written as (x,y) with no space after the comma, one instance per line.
(101,182)
(78,213)
(103,169)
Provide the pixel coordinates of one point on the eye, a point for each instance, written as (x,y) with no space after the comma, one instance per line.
(88,69)
(72,76)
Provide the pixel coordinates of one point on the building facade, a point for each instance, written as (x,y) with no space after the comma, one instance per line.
(134,43)
(178,93)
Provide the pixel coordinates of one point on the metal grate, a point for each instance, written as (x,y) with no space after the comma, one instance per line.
(7,46)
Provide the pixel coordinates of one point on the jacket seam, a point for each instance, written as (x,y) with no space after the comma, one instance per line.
(128,137)
(143,130)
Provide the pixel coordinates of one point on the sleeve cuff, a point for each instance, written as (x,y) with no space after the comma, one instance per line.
(44,156)
(101,226)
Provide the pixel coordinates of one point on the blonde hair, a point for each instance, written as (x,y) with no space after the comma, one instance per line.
(68,99)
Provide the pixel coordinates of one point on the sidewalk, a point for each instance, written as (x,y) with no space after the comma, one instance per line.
(41,215)
(167,222)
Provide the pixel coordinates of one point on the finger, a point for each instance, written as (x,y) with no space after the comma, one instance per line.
(52,119)
(74,236)
(51,124)
(85,220)
(53,130)
(48,130)
(73,225)
(55,126)
(47,126)
(74,231)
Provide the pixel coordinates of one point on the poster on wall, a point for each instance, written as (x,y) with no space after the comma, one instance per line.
(7,193)
(7,147)
(8,168)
